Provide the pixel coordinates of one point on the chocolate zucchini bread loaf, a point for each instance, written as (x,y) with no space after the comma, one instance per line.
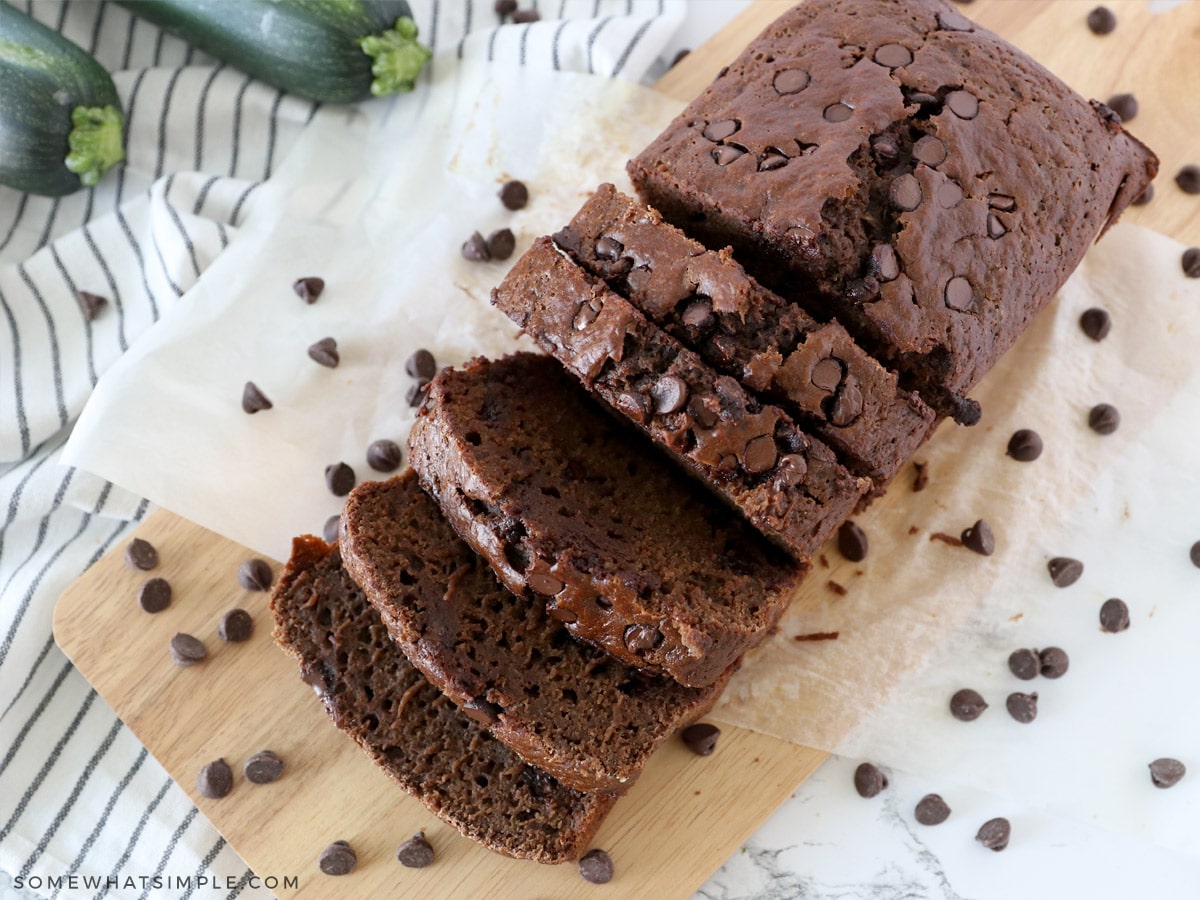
(902,169)
(414,733)
(564,706)
(564,501)
(788,484)
(816,372)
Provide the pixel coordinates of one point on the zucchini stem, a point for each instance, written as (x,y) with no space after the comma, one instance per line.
(95,142)
(397,57)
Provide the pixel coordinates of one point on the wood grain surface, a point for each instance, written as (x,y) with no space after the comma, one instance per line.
(687,814)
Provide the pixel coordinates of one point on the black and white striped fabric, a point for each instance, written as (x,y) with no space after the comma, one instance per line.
(79,796)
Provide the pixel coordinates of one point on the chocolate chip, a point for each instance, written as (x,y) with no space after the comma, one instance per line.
(670,393)
(885,265)
(727,153)
(384,456)
(893,56)
(1002,202)
(263,767)
(254,400)
(416,852)
(963,104)
(514,195)
(862,290)
(697,314)
(868,780)
(1103,418)
(255,575)
(308,289)
(586,314)
(718,131)
(543,583)
(91,304)
(1025,664)
(1022,707)
(338,858)
(905,192)
(1095,323)
(885,148)
(642,638)
(1190,261)
(562,614)
(680,56)
(505,7)
(1101,20)
(416,393)
(475,248)
(1064,571)
(526,17)
(186,650)
(330,530)
(1145,196)
(704,410)
(1025,445)
(931,810)
(994,833)
(773,158)
(852,541)
(791,469)
(1124,105)
(501,243)
(920,476)
(1114,615)
(949,195)
(838,112)
(596,867)
(790,81)
(1166,772)
(608,248)
(1188,179)
(214,780)
(967,705)
(339,478)
(959,294)
(949,20)
(421,364)
(155,595)
(140,554)
(995,228)
(1054,662)
(236,626)
(929,150)
(325,352)
(701,738)
(847,405)
(760,454)
(827,374)
(482,711)
(1194,553)
(979,538)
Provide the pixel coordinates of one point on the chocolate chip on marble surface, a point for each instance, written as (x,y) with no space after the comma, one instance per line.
(1188,179)
(338,858)
(979,538)
(967,705)
(187,650)
(416,393)
(838,112)
(309,289)
(155,595)
(255,575)
(1102,20)
(931,810)
(1166,772)
(868,780)
(416,852)
(339,478)
(1064,571)
(1022,707)
(852,541)
(670,393)
(325,353)
(1103,418)
(514,194)
(905,192)
(1095,323)
(384,455)
(253,399)
(701,738)
(1054,662)
(91,304)
(893,56)
(236,626)
(1025,445)
(331,528)
(501,243)
(1190,262)
(475,248)
(214,780)
(1124,105)
(596,867)
(1024,663)
(790,81)
(995,833)
(263,767)
(141,554)
(421,364)
(1145,196)
(1194,554)
(1114,615)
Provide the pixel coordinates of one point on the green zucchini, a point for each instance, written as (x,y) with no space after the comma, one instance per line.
(334,51)
(60,116)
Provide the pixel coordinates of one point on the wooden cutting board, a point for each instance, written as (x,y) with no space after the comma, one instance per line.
(687,814)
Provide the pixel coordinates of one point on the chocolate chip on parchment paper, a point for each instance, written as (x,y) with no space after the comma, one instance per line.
(1024,663)
(852,541)
(421,364)
(1022,707)
(325,353)
(384,456)
(1095,323)
(1064,571)
(1025,445)
(967,705)
(309,289)
(979,538)
(1114,615)
(1054,662)
(1103,418)
(339,478)
(253,399)
(514,194)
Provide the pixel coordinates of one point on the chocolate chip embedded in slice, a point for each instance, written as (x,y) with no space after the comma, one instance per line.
(421,364)
(1064,571)
(187,650)
(1025,445)
(893,56)
(1190,261)
(1166,772)
(141,555)
(1101,20)
(1022,707)
(967,705)
(852,541)
(931,810)
(263,767)
(949,20)
(1054,662)
(994,833)
(475,248)
(838,112)
(963,104)
(501,243)
(325,353)
(236,626)
(155,595)
(929,150)
(215,780)
(869,780)
(790,81)
(1103,418)
(416,393)
(514,194)
(701,738)
(255,575)
(482,711)
(91,304)
(416,852)
(760,454)
(1114,615)
(1188,179)
(670,393)
(979,538)
(338,858)
(1095,323)
(339,478)
(253,399)
(959,294)
(384,456)
(718,131)
(596,867)
(309,289)
(643,638)
(1024,663)
(1124,105)
(905,193)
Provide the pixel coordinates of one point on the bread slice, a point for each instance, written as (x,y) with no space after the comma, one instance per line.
(564,706)
(418,736)
(628,552)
